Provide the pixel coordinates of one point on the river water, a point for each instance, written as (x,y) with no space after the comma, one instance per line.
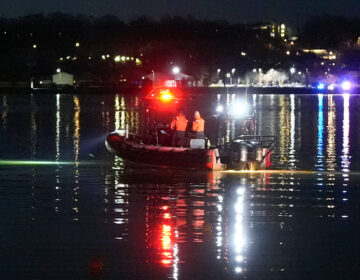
(71,210)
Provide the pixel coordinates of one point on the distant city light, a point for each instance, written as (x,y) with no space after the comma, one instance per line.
(243,53)
(220,108)
(77,44)
(218,70)
(331,87)
(320,86)
(238,270)
(117,58)
(34,46)
(137,61)
(346,85)
(233,70)
(58,70)
(292,70)
(287,52)
(228,75)
(103,57)
(176,70)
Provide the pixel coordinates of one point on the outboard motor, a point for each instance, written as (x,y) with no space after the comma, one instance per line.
(243,156)
(238,156)
(259,158)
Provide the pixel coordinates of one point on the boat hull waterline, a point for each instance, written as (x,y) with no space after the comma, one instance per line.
(136,154)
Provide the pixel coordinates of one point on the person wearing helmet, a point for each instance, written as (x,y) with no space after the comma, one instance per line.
(198,126)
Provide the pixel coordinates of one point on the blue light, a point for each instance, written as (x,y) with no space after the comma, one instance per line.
(320,86)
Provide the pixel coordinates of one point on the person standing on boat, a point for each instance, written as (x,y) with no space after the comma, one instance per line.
(178,125)
(198,126)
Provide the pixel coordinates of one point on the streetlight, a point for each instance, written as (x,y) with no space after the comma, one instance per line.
(292,70)
(176,70)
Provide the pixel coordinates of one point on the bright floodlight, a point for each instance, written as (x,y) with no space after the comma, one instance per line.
(346,85)
(176,70)
(239,109)
(220,108)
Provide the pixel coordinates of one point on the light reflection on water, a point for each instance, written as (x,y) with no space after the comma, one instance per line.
(150,224)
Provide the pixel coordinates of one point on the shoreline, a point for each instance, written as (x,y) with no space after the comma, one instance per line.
(191,91)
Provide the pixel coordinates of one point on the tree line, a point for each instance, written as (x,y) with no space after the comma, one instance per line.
(36,45)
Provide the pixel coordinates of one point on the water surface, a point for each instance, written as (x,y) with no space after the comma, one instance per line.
(83,215)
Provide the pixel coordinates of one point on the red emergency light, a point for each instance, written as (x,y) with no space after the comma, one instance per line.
(166,96)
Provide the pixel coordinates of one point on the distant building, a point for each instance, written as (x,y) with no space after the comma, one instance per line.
(170,80)
(323,53)
(272,29)
(63,79)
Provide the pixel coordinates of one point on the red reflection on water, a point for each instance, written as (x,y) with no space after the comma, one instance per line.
(166,243)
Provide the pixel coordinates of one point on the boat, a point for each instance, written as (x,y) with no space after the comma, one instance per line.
(246,152)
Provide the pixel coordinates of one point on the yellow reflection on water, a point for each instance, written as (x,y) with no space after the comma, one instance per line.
(284,124)
(76,138)
(292,148)
(331,134)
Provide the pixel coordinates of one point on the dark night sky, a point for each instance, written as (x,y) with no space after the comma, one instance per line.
(231,10)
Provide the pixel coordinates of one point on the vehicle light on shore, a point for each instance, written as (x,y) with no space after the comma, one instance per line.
(320,86)
(346,85)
